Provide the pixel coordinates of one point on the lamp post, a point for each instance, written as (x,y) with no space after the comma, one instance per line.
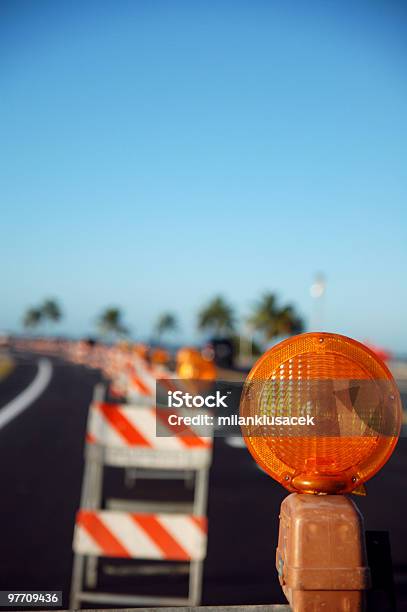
(317,291)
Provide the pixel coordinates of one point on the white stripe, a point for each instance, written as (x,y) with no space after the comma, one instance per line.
(147,378)
(11,410)
(136,396)
(131,536)
(84,544)
(186,533)
(144,381)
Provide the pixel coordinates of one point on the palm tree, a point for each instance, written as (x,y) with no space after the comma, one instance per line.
(51,310)
(217,316)
(289,322)
(32,318)
(272,321)
(110,322)
(265,315)
(167,322)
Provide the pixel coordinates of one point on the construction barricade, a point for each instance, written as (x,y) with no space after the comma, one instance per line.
(125,436)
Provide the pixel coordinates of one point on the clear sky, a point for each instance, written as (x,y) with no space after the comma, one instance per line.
(154,154)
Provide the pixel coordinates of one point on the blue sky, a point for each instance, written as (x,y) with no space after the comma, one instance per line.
(154,154)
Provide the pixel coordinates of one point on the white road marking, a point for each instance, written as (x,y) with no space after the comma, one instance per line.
(11,410)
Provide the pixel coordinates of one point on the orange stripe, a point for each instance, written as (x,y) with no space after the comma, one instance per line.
(200,521)
(115,392)
(110,545)
(186,435)
(90,438)
(162,379)
(167,383)
(137,382)
(122,425)
(160,536)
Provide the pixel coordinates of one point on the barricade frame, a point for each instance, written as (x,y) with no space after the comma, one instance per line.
(85,567)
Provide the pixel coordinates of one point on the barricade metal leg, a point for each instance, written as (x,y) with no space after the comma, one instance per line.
(201,491)
(199,508)
(130,475)
(189,478)
(195,582)
(96,478)
(93,490)
(99,392)
(76,582)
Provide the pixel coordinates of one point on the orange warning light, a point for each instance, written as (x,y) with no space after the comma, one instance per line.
(141,350)
(325,413)
(188,354)
(191,365)
(159,356)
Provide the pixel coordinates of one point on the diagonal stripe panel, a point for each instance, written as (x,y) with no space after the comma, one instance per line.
(84,543)
(171,549)
(171,537)
(145,421)
(186,435)
(118,420)
(201,522)
(137,541)
(184,530)
(100,429)
(93,524)
(140,384)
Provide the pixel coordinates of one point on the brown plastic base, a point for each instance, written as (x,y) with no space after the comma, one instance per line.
(321,554)
(326,601)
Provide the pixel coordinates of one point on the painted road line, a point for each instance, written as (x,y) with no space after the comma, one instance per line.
(20,403)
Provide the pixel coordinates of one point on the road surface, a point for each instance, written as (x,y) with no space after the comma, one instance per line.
(41,463)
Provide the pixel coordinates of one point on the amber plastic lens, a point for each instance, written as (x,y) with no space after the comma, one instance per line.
(159,356)
(188,354)
(141,350)
(325,413)
(191,365)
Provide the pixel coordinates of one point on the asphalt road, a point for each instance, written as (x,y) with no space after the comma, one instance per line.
(41,463)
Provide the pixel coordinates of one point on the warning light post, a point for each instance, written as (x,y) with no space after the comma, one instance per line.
(354,413)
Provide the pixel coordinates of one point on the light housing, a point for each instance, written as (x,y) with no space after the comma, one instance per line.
(353,398)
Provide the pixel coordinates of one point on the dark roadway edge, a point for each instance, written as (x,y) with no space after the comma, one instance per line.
(17,380)
(40,474)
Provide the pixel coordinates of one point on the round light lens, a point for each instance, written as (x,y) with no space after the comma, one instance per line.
(325,413)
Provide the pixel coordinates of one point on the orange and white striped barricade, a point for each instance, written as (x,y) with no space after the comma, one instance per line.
(136,381)
(154,537)
(132,386)
(119,385)
(152,374)
(97,357)
(125,436)
(140,388)
(128,436)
